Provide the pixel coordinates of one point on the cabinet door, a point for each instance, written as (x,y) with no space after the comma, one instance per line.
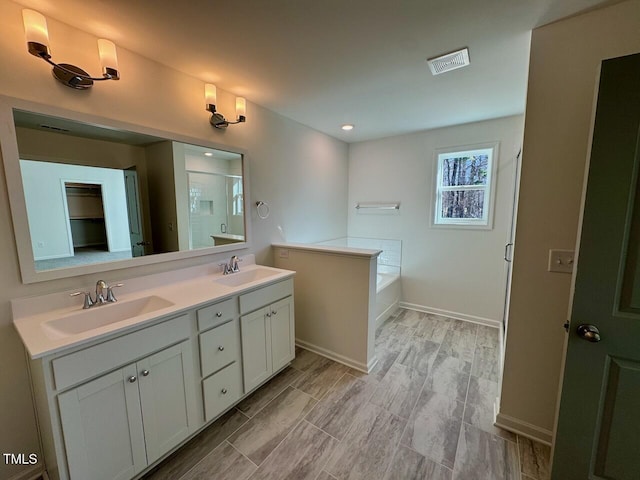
(102,427)
(167,398)
(282,333)
(256,349)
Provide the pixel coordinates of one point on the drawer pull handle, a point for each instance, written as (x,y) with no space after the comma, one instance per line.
(218,314)
(221,348)
(132,379)
(145,373)
(274,312)
(223,391)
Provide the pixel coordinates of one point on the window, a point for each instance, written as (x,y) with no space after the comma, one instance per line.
(237,196)
(464,186)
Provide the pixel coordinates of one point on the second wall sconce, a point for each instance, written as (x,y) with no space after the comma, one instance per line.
(217,119)
(35,28)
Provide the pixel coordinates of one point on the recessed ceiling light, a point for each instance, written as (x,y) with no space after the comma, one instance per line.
(347,127)
(208,154)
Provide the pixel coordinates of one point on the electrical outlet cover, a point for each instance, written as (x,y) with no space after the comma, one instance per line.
(561,261)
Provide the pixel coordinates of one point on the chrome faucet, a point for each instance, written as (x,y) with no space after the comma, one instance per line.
(101,286)
(101,297)
(232,266)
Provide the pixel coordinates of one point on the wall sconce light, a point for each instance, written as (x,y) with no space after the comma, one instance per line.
(35,28)
(217,119)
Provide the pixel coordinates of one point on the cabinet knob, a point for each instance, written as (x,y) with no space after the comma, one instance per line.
(268,314)
(221,348)
(132,379)
(218,314)
(145,373)
(223,391)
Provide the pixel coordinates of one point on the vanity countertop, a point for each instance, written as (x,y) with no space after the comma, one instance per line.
(168,293)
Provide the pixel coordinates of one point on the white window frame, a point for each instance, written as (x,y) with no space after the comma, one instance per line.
(484,223)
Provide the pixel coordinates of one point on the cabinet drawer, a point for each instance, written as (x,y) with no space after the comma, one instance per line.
(219,347)
(221,390)
(264,296)
(217,313)
(90,362)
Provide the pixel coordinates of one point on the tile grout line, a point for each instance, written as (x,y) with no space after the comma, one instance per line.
(279,443)
(326,462)
(431,459)
(415,404)
(241,453)
(225,439)
(297,424)
(466,398)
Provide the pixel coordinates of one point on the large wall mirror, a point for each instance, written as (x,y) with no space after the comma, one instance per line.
(88,195)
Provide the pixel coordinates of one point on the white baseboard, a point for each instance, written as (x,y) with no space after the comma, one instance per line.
(331,355)
(30,473)
(525,429)
(458,316)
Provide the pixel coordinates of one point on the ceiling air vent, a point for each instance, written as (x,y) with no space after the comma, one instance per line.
(449,61)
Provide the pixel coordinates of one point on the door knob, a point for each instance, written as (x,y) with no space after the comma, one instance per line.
(589,332)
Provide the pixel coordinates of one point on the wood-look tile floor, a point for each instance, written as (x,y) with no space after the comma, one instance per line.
(425,412)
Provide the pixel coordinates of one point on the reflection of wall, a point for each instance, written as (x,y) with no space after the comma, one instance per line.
(63,148)
(47,209)
(162,199)
(301,172)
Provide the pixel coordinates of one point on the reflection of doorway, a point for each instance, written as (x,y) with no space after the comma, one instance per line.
(138,243)
(86,217)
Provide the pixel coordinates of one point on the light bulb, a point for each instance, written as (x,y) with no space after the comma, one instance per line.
(36,33)
(241,109)
(210,96)
(108,58)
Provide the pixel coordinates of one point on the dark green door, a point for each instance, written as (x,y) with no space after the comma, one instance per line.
(598,433)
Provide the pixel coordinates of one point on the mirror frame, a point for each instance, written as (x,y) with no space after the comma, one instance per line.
(22,235)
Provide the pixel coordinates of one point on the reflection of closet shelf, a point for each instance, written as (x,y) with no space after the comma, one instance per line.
(84,206)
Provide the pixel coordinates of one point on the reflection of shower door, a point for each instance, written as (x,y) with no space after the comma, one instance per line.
(133,209)
(207,207)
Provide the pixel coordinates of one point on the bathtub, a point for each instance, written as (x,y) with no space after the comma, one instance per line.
(388,292)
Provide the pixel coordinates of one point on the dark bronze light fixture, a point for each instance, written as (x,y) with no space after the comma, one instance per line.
(35,27)
(217,119)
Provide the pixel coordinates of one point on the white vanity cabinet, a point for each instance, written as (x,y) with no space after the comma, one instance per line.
(267,332)
(116,425)
(116,407)
(112,406)
(220,356)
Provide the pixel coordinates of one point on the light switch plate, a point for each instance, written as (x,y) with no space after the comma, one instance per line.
(283,253)
(561,261)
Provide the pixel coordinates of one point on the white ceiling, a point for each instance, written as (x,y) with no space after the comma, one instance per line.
(328,62)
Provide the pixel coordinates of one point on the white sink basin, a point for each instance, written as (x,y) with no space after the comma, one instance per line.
(99,316)
(247,276)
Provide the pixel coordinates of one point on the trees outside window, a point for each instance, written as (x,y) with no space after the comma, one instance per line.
(464,186)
